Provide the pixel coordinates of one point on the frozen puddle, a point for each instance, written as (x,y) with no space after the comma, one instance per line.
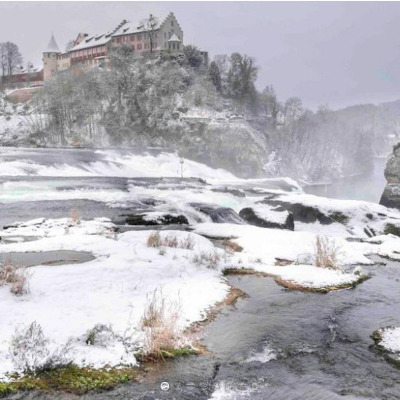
(56,257)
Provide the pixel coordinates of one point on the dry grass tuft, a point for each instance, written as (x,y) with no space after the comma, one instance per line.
(16,277)
(327,253)
(160,324)
(232,246)
(211,260)
(74,217)
(187,243)
(154,240)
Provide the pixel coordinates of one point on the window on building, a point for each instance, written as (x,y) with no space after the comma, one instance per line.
(132,38)
(133,47)
(139,37)
(165,35)
(172,23)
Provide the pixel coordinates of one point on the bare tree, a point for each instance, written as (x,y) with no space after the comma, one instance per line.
(150,26)
(12,56)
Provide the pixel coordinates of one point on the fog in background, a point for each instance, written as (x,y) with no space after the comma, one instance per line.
(325,53)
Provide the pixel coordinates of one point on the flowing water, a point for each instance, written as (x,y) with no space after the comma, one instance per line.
(272,344)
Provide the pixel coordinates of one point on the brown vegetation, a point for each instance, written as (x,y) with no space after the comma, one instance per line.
(327,253)
(16,277)
(160,324)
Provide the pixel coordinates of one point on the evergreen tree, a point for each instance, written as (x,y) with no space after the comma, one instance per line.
(214,76)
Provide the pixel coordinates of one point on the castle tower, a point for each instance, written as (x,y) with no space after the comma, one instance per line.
(50,59)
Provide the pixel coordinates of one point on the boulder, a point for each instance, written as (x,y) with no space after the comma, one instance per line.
(268,217)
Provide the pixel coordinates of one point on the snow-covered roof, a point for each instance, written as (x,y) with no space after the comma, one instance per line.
(128,28)
(124,28)
(174,38)
(92,41)
(52,46)
(24,70)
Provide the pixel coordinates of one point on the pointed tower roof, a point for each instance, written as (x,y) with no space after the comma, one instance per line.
(52,46)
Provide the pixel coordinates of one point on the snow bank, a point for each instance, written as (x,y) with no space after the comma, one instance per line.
(69,300)
(390,339)
(268,244)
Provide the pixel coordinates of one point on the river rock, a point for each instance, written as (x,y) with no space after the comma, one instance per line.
(218,214)
(155,218)
(391,194)
(302,212)
(268,217)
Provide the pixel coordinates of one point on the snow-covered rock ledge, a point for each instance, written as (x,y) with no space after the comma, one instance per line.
(388,340)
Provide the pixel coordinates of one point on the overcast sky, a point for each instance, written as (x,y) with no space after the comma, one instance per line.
(325,53)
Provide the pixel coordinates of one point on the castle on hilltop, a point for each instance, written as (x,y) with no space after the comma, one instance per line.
(89,51)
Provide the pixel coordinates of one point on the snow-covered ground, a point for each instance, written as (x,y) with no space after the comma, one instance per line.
(113,289)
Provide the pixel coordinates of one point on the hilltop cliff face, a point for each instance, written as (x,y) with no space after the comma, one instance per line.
(391,194)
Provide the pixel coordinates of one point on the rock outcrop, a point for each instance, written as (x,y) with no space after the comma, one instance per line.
(268,217)
(391,194)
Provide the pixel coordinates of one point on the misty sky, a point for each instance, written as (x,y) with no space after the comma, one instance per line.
(325,53)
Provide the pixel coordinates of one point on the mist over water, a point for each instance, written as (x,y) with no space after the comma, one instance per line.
(368,187)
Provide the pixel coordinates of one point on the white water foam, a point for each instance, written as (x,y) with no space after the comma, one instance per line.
(115,164)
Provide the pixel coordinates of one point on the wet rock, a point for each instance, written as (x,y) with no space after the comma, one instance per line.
(156,218)
(218,214)
(276,217)
(233,191)
(301,212)
(391,194)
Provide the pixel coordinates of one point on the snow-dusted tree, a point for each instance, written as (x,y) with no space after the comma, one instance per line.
(192,56)
(293,109)
(241,78)
(214,75)
(149,26)
(269,104)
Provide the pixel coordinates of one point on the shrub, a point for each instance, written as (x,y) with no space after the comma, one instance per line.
(187,243)
(30,351)
(392,229)
(326,253)
(154,239)
(160,324)
(74,217)
(16,277)
(99,335)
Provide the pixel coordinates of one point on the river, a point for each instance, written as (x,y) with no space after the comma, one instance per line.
(273,343)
